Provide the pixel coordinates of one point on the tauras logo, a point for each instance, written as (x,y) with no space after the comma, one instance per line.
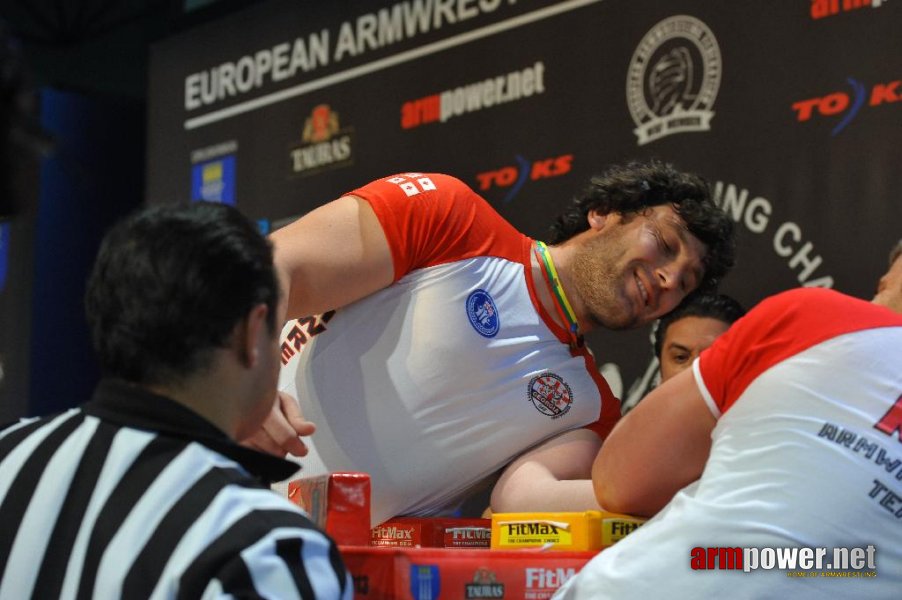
(484,585)
(673,79)
(325,145)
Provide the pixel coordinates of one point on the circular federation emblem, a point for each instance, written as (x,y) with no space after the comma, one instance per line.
(673,79)
(550,395)
(483,313)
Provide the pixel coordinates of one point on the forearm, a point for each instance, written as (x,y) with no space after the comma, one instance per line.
(548,495)
(554,477)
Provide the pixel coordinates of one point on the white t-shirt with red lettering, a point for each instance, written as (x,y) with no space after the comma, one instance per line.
(807,390)
(445,376)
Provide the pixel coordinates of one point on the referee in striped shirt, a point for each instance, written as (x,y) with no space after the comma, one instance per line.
(143,492)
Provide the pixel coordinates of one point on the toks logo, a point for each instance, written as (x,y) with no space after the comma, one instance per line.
(673,79)
(514,177)
(325,145)
(828,8)
(846,106)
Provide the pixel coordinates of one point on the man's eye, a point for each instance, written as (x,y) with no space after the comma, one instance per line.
(666,246)
(662,243)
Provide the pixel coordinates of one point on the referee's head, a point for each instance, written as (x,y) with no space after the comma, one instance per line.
(182,292)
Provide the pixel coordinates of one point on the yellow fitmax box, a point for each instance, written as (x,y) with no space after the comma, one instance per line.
(589,530)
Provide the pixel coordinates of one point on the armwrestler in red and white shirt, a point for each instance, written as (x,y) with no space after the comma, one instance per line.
(437,356)
(785,434)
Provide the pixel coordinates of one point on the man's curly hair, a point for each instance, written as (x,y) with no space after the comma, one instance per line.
(636,186)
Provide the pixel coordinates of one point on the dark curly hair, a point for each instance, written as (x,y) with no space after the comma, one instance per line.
(633,187)
(713,306)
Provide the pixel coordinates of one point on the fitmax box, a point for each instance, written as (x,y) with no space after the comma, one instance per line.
(433,532)
(577,531)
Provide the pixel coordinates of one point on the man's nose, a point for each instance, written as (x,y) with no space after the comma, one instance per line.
(669,275)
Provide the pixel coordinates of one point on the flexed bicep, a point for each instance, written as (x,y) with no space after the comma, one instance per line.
(332,256)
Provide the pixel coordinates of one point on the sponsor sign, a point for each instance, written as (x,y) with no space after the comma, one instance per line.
(214,181)
(325,145)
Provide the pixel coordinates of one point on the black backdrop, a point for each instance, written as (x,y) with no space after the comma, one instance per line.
(789,107)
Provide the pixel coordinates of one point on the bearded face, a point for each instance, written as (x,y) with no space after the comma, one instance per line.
(631,271)
(598,277)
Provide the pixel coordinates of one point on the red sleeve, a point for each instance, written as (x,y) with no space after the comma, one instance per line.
(431,219)
(778,328)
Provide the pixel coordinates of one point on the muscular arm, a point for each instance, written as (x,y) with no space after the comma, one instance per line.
(328,258)
(655,450)
(331,256)
(552,477)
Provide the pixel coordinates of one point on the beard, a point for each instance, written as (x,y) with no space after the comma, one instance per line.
(600,279)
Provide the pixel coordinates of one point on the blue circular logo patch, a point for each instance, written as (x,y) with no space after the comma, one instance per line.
(483,313)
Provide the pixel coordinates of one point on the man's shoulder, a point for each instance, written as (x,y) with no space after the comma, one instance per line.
(14,432)
(822,306)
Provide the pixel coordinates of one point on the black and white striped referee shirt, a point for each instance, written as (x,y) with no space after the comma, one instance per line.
(135,496)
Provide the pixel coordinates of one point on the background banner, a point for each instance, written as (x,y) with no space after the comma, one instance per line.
(790,108)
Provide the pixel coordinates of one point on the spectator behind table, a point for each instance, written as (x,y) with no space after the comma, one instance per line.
(782,437)
(679,336)
(693,326)
(143,491)
(456,344)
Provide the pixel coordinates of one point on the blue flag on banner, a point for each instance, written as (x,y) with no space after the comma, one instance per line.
(214,181)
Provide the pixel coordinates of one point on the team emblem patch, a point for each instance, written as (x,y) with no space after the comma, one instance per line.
(483,313)
(550,395)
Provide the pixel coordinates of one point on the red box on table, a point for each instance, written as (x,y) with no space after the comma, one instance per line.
(338,503)
(433,532)
(437,573)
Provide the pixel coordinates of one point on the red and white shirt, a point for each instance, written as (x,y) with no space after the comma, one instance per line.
(445,376)
(806,452)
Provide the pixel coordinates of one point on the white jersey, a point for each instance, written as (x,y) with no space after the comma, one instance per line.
(445,376)
(807,389)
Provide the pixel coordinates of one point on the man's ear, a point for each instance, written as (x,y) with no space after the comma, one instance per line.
(251,332)
(597,220)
